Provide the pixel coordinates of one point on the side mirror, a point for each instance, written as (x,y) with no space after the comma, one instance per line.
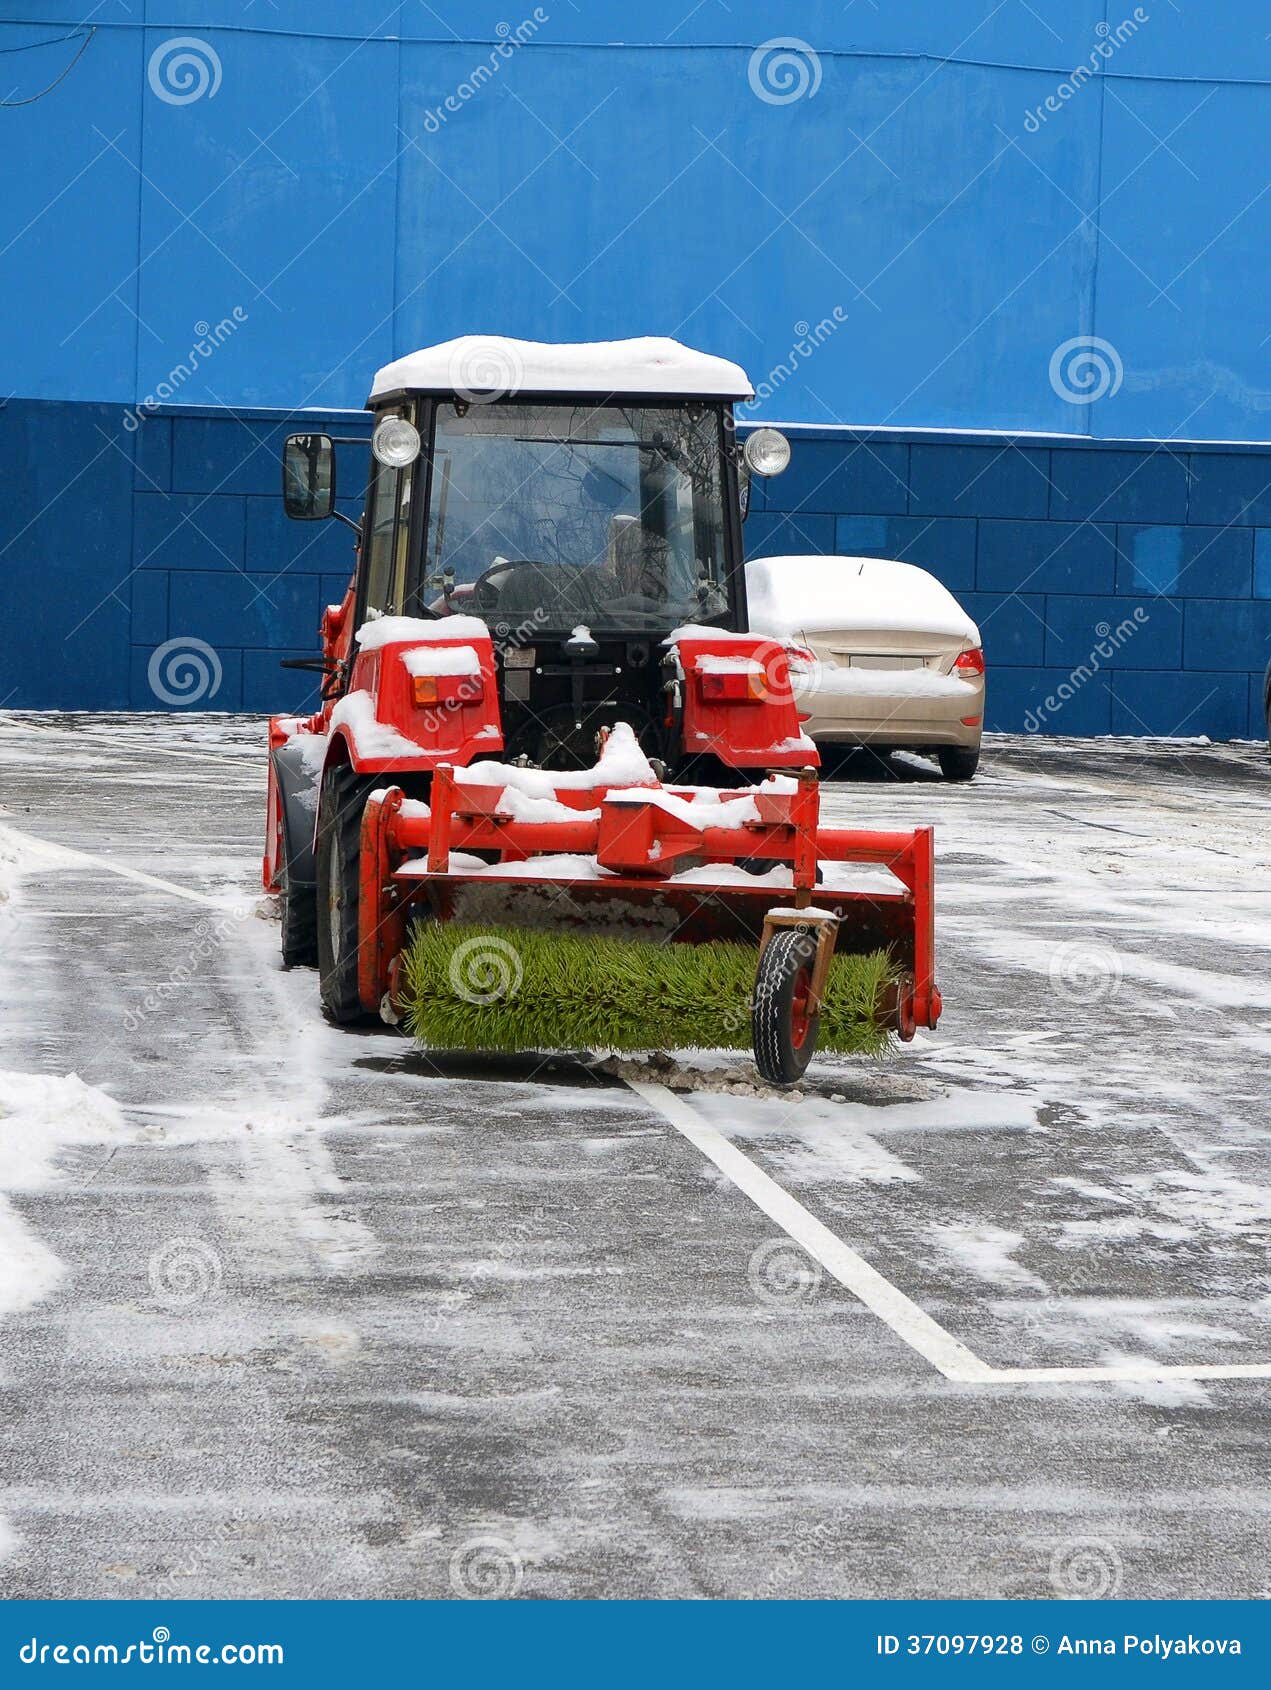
(308,477)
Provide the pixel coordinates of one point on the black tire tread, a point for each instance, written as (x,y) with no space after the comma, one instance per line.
(299,913)
(957,763)
(776,1058)
(340,804)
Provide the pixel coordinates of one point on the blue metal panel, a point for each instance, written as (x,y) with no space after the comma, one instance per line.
(188,531)
(979,481)
(276,543)
(1168,703)
(273,690)
(863,536)
(1227,634)
(68,217)
(1050,557)
(215,455)
(943,545)
(773,535)
(152,455)
(274,198)
(1182,232)
(158,685)
(1259,709)
(1048,701)
(1118,486)
(1211,562)
(824,477)
(1114,633)
(274,611)
(149,590)
(67,475)
(1262,564)
(1231,487)
(1012,628)
(963,239)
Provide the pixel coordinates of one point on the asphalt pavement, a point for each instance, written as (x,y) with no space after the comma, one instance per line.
(288,1310)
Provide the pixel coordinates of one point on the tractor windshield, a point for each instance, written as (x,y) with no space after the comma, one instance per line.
(608,515)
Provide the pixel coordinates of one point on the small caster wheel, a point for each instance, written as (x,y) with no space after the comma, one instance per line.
(783,1029)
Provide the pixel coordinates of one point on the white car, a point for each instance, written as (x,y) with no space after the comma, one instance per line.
(890,658)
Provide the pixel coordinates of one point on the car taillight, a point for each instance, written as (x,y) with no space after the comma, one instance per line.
(970,662)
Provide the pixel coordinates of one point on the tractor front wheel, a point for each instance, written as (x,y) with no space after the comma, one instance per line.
(299,912)
(340,805)
(783,1029)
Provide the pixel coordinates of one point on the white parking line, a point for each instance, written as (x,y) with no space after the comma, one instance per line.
(53,854)
(945,1352)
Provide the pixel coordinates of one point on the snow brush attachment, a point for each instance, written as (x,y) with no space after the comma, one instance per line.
(464,987)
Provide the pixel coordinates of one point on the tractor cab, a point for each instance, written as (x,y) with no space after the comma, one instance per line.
(584,501)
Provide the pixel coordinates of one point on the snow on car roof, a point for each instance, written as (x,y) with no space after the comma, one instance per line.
(789,596)
(481,363)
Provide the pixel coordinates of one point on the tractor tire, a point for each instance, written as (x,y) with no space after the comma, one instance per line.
(782,1032)
(340,804)
(299,908)
(956,763)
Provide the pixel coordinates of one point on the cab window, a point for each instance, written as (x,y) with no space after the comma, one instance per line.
(386,533)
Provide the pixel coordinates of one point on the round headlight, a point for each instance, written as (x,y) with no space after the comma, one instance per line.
(767,451)
(396,442)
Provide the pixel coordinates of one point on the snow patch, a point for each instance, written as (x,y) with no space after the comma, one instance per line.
(621,763)
(797,596)
(442,660)
(40,1116)
(988,1252)
(395,630)
(372,738)
(652,364)
(829,679)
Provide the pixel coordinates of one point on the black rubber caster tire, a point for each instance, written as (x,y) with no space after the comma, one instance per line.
(783,1034)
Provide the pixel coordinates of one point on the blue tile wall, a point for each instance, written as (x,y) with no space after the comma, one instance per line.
(120,541)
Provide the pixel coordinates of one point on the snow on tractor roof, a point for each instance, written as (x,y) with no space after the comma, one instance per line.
(493,364)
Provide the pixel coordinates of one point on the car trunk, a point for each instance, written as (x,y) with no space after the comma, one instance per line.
(887,654)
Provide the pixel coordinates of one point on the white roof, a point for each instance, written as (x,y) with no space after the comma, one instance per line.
(491,363)
(789,597)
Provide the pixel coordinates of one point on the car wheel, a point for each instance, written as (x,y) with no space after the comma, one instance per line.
(956,763)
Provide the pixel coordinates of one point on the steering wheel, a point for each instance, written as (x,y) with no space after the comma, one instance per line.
(488,585)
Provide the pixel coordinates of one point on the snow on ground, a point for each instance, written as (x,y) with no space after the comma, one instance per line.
(301,1312)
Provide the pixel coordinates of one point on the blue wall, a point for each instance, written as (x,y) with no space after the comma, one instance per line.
(123,541)
(618,174)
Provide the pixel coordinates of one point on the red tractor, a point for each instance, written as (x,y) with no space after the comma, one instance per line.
(541,674)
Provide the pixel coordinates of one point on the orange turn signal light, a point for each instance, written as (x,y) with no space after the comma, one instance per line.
(425,689)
